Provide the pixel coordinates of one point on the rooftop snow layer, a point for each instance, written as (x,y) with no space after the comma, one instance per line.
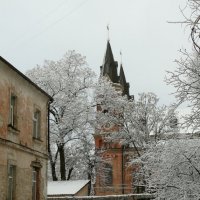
(65,187)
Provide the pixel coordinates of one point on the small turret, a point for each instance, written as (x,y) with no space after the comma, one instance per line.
(122,81)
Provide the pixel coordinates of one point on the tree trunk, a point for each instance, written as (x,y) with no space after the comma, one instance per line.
(53,171)
(90,174)
(62,162)
(53,165)
(90,184)
(70,173)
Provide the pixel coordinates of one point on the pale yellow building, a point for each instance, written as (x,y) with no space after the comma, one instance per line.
(23,136)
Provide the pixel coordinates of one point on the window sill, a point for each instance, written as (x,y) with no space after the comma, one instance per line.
(12,129)
(37,139)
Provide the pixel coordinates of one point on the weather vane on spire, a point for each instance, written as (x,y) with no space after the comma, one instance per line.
(108,32)
(121,55)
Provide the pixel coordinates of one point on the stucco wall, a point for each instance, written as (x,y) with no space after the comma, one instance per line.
(28,98)
(17,145)
(83,191)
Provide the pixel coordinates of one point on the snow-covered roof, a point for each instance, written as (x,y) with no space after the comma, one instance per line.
(65,187)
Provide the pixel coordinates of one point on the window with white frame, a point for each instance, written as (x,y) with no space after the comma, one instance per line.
(11,182)
(35,183)
(36,124)
(13,110)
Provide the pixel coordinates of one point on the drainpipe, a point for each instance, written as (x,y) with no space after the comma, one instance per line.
(48,124)
(48,143)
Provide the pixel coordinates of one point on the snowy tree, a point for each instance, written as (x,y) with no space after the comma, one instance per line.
(172,165)
(172,168)
(81,160)
(137,122)
(140,123)
(144,121)
(68,81)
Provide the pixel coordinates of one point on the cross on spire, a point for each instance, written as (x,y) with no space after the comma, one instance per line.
(108,28)
(121,55)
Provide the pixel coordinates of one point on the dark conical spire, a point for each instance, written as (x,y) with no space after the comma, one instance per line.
(108,59)
(109,66)
(122,79)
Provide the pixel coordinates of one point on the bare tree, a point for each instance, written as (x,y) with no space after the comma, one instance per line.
(186,81)
(191,18)
(186,77)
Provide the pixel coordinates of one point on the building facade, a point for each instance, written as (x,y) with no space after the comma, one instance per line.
(23,136)
(114,176)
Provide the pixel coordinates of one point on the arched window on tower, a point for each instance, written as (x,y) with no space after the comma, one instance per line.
(107,175)
(100,143)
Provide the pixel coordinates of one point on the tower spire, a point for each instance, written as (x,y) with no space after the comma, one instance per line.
(109,67)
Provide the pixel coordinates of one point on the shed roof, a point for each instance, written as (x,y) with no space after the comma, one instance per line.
(65,187)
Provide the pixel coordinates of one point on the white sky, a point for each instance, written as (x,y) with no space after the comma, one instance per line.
(35,30)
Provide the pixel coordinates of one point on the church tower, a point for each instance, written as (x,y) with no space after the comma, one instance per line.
(109,69)
(114,176)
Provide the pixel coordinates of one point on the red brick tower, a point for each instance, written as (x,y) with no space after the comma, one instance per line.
(114,176)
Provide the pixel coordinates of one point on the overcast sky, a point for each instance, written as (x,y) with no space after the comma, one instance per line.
(35,30)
